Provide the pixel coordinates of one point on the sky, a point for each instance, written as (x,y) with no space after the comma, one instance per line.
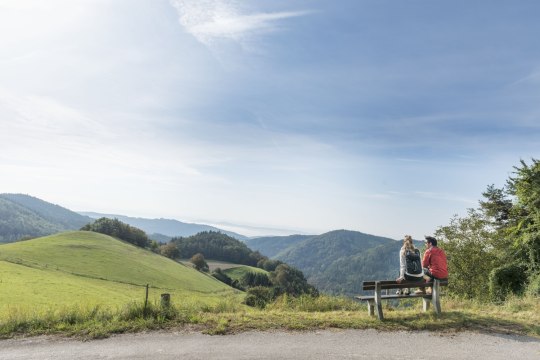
(269,117)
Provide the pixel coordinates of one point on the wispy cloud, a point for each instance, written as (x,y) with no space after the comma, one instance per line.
(445,197)
(211,21)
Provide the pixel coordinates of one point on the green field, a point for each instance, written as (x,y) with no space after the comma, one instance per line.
(236,273)
(87,268)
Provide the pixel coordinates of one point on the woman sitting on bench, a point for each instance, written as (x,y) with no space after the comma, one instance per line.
(410,266)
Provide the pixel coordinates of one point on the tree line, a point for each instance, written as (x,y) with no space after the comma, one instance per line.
(498,243)
(120,230)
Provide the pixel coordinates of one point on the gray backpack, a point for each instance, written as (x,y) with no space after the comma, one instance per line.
(413,262)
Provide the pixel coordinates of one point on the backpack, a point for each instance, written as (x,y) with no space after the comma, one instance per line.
(413,262)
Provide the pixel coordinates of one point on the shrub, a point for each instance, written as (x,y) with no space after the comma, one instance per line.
(506,280)
(221,276)
(199,262)
(252,279)
(259,296)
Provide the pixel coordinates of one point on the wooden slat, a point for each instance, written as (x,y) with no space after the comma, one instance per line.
(370,285)
(386,297)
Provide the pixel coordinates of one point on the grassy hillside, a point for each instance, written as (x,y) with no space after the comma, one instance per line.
(80,265)
(236,273)
(26,216)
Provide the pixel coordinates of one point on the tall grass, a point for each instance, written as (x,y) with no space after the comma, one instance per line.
(228,315)
(323,303)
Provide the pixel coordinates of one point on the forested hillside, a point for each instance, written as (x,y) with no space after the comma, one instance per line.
(273,245)
(24,216)
(338,261)
(217,246)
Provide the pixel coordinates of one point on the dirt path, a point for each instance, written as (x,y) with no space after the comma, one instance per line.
(327,345)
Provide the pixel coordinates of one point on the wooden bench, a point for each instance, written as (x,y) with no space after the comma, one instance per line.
(375,301)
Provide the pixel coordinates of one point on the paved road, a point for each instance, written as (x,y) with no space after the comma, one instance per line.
(327,345)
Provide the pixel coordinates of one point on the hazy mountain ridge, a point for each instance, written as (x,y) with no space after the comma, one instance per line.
(157,228)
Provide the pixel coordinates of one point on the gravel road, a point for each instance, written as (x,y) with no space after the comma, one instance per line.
(327,345)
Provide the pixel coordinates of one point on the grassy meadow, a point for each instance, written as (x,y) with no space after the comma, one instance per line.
(236,273)
(89,269)
(91,285)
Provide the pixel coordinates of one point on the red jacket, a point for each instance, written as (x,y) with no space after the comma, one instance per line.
(435,261)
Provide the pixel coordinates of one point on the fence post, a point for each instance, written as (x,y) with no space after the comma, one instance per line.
(165,300)
(146,299)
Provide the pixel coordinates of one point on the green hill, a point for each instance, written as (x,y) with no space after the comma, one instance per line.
(23,216)
(80,265)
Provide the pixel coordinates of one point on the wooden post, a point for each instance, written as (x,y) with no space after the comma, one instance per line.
(146,299)
(435,291)
(378,300)
(165,300)
(371,308)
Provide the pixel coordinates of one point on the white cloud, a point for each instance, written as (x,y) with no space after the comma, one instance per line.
(212,20)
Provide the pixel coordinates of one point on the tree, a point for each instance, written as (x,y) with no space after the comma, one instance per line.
(169,250)
(198,261)
(120,230)
(525,186)
(290,280)
(468,244)
(500,238)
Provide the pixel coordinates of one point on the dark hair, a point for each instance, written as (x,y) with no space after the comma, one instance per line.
(431,240)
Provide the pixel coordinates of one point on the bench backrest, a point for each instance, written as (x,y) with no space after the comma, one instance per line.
(392,284)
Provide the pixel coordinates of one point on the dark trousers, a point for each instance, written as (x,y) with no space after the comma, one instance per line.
(428,273)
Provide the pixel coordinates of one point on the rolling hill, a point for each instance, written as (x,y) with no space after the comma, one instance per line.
(88,267)
(336,262)
(24,216)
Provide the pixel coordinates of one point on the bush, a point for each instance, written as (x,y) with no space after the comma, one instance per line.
(199,262)
(259,296)
(506,280)
(534,286)
(253,279)
(221,276)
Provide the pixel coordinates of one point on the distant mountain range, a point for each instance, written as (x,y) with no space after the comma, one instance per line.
(25,216)
(336,262)
(164,229)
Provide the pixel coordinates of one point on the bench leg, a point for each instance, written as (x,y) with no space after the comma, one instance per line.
(378,300)
(371,307)
(435,292)
(425,304)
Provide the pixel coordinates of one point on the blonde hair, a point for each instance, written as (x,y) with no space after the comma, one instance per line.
(408,243)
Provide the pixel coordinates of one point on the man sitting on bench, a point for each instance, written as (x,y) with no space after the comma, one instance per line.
(434,262)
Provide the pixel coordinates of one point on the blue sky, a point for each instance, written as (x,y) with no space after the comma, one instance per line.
(268,117)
